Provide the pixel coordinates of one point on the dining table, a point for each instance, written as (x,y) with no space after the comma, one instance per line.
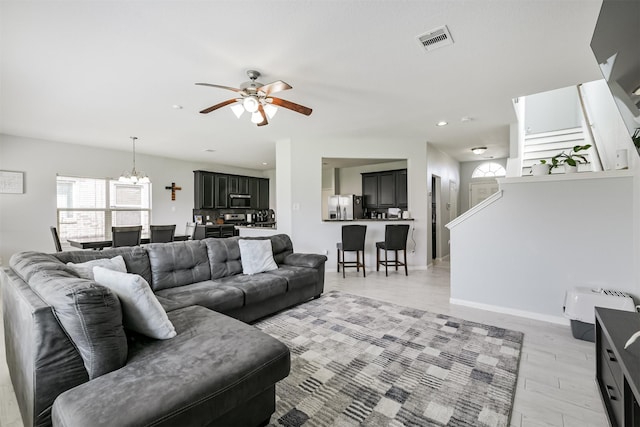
(101,242)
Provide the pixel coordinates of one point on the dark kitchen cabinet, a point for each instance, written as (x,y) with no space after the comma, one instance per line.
(263,193)
(204,197)
(370,190)
(238,184)
(221,191)
(401,189)
(385,189)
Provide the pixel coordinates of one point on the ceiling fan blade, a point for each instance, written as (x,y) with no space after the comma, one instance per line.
(264,116)
(291,106)
(274,87)
(220,105)
(220,87)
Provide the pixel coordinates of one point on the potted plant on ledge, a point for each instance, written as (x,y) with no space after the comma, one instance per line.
(570,161)
(542,168)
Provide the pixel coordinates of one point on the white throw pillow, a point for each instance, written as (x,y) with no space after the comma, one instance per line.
(141,310)
(256,256)
(85,269)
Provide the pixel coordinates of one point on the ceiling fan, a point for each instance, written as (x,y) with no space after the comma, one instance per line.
(255,98)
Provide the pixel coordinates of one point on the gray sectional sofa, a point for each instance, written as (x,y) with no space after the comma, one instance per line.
(73,363)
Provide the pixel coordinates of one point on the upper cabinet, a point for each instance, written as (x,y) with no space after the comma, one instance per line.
(385,189)
(212,190)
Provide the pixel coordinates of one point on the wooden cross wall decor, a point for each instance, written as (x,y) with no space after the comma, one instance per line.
(173,189)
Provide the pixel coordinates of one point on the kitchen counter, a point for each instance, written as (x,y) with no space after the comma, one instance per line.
(369,220)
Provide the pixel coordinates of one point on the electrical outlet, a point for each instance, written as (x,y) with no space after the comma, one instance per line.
(326,251)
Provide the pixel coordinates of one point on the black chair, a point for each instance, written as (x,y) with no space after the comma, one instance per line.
(56,239)
(200,232)
(395,239)
(352,241)
(190,229)
(162,233)
(126,236)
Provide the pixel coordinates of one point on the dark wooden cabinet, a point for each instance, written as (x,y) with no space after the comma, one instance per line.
(386,189)
(238,184)
(263,193)
(221,191)
(204,197)
(212,190)
(617,369)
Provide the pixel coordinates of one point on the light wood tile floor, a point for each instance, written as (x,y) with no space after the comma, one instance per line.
(556,385)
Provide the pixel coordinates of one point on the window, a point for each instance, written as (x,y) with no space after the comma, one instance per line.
(489,170)
(89,207)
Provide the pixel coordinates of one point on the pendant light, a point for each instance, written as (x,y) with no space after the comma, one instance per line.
(134,177)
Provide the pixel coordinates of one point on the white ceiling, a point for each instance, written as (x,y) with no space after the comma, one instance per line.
(97,72)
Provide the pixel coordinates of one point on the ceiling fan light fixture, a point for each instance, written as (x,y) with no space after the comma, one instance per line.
(251,104)
(478,150)
(237,109)
(270,110)
(256,118)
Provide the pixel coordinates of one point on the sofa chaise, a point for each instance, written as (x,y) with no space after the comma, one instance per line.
(73,361)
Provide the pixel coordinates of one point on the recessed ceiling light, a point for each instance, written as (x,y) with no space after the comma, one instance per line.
(466,119)
(442,123)
(264,163)
(209,150)
(176,107)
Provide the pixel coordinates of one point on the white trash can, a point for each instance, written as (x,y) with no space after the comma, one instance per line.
(579,307)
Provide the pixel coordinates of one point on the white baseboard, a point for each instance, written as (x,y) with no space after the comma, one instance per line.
(505,310)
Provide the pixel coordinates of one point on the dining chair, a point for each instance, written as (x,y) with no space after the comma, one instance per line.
(395,239)
(56,239)
(189,230)
(162,233)
(353,237)
(126,236)
(200,232)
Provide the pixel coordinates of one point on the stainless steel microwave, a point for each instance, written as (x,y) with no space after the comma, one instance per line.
(239,200)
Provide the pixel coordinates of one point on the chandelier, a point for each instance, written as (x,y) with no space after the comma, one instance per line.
(134,177)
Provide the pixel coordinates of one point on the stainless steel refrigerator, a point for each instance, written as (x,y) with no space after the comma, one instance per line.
(345,207)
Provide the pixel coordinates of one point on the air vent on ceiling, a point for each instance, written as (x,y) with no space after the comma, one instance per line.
(436,38)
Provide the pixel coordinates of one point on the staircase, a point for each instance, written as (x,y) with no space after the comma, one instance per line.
(545,145)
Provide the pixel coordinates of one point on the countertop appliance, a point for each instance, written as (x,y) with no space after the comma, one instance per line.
(345,207)
(235,217)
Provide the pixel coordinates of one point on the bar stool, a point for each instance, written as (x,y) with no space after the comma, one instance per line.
(395,239)
(352,241)
(56,239)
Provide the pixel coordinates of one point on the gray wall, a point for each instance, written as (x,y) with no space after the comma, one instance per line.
(553,110)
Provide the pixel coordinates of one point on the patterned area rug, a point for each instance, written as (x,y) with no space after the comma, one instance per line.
(358,361)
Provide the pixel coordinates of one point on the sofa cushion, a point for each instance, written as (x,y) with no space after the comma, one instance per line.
(85,269)
(91,316)
(141,310)
(209,294)
(297,277)
(214,363)
(178,263)
(257,287)
(135,258)
(224,257)
(26,264)
(256,256)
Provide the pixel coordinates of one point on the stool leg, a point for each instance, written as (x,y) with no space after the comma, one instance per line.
(343,267)
(364,270)
(406,272)
(358,261)
(377,258)
(338,255)
(386,264)
(396,259)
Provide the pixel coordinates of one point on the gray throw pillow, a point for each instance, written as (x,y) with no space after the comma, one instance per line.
(141,310)
(85,269)
(91,316)
(256,256)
